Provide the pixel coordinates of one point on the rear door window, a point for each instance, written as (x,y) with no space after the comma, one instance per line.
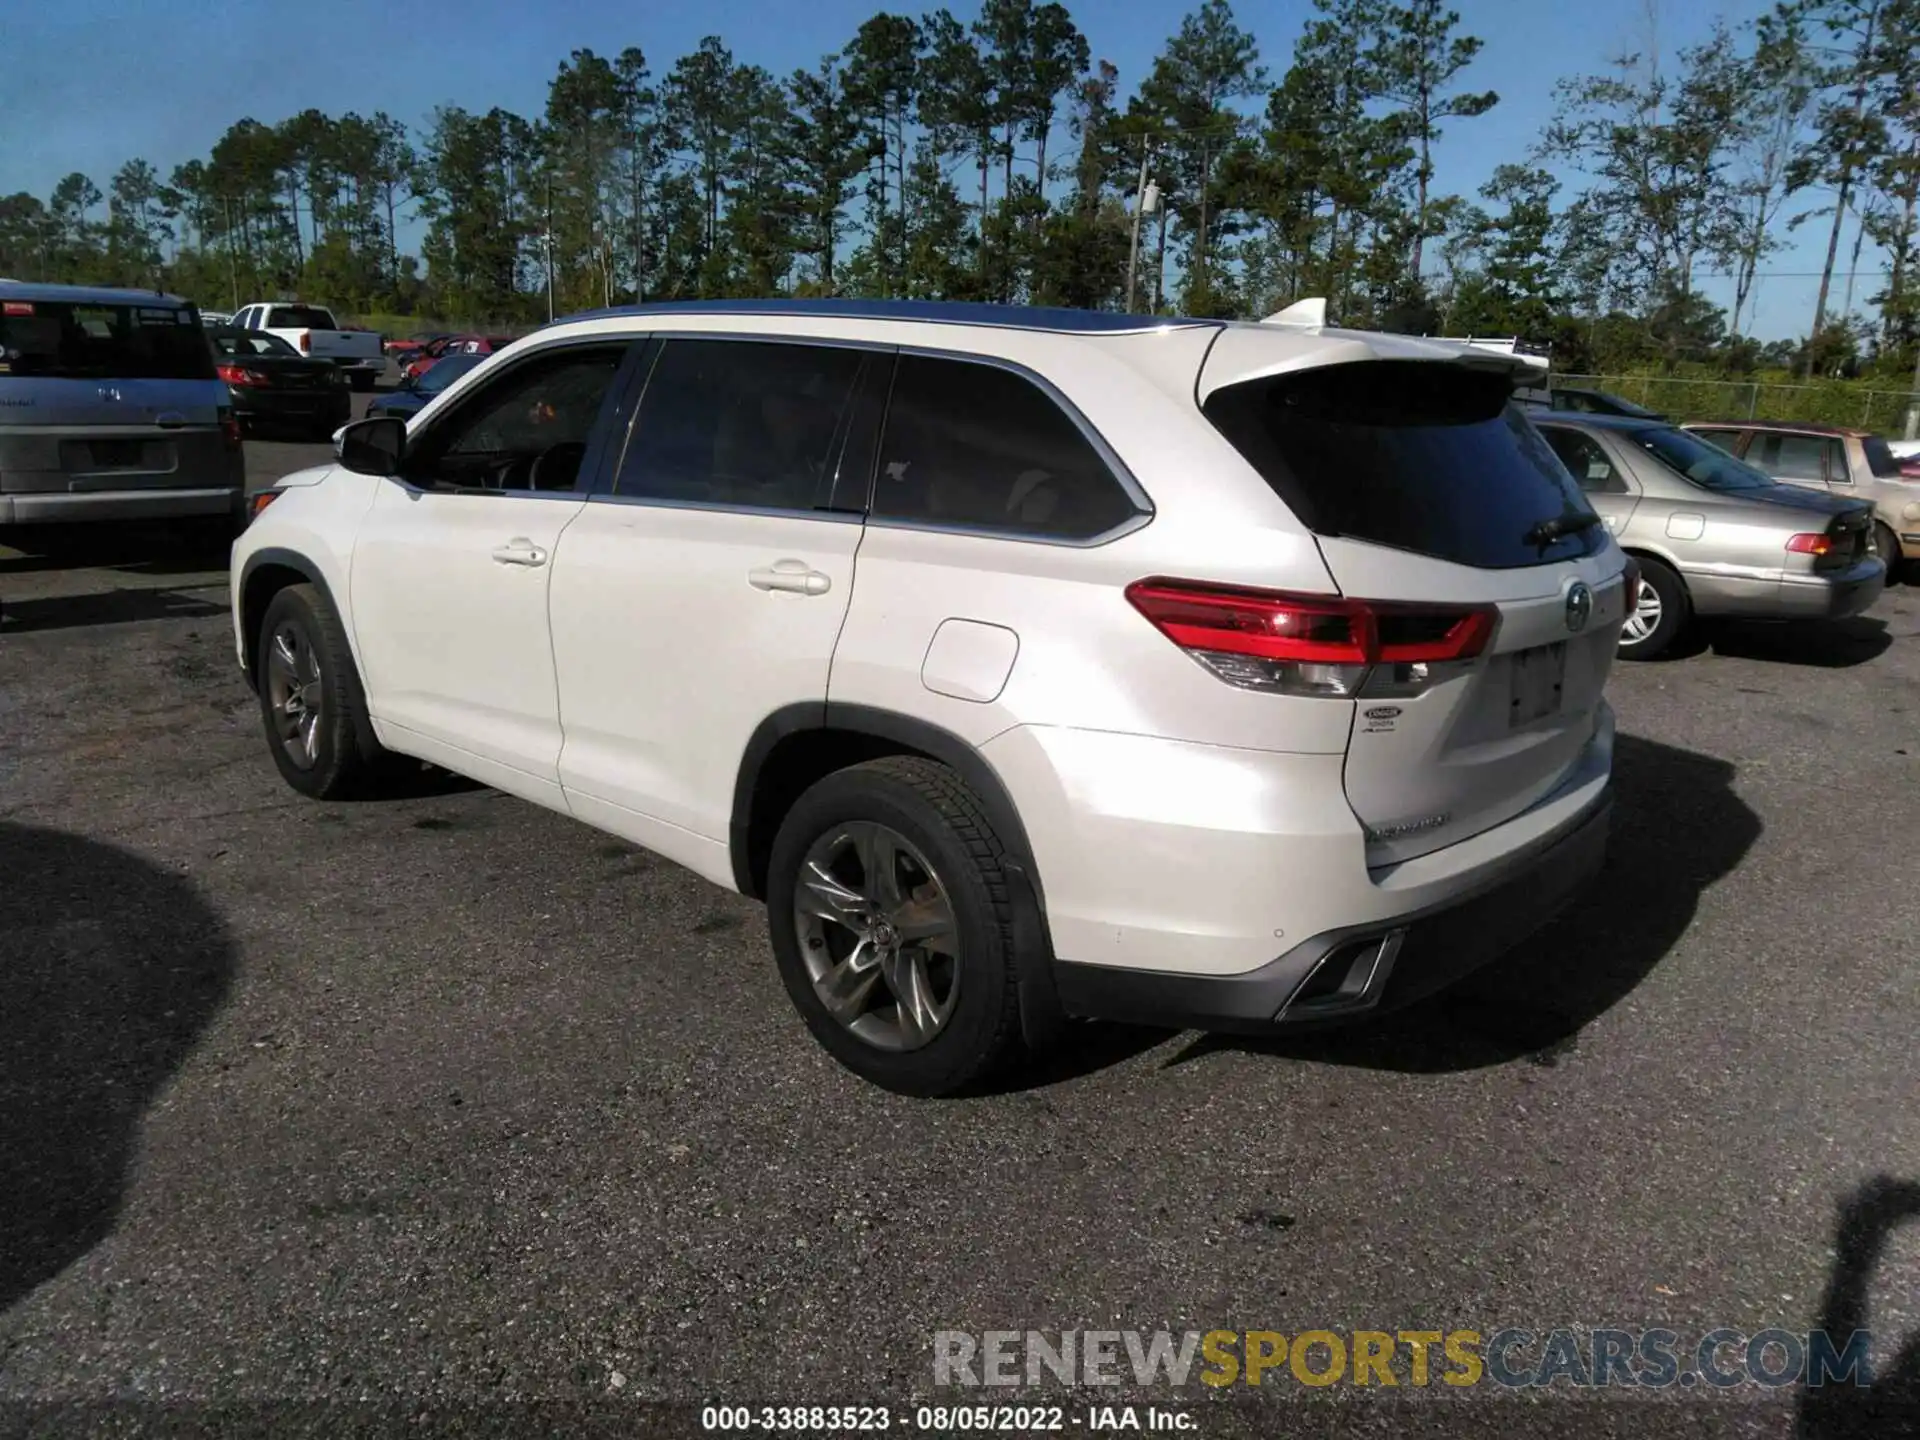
(1727,440)
(1794,457)
(70,341)
(1415,455)
(1585,461)
(972,446)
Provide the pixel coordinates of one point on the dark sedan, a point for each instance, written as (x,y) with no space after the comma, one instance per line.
(412,396)
(274,385)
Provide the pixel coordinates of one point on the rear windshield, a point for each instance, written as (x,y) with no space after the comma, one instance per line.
(253,342)
(61,340)
(1419,456)
(299,317)
(1699,460)
(1880,458)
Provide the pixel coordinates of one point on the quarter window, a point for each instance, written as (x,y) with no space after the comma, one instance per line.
(978,447)
(526,430)
(741,423)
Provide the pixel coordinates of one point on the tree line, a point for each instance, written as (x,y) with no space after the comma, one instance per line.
(994,158)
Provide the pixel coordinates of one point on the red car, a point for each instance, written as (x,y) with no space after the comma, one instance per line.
(455,345)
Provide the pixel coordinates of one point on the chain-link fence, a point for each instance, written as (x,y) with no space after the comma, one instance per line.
(1888,412)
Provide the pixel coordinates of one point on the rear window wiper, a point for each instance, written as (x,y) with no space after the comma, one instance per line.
(1545,532)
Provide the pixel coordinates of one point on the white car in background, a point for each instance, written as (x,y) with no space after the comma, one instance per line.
(1027,663)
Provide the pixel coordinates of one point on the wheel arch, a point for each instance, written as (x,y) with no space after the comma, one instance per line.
(1663,557)
(267,572)
(800,744)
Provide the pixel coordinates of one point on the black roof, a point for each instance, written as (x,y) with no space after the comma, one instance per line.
(926,312)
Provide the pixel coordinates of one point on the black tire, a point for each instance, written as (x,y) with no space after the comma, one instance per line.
(361,380)
(344,756)
(1675,612)
(1886,545)
(929,806)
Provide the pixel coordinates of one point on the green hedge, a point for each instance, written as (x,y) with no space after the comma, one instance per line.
(1827,402)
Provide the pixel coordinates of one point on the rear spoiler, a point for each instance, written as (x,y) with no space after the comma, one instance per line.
(1298,338)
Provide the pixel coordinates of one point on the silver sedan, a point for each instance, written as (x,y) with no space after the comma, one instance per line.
(1714,536)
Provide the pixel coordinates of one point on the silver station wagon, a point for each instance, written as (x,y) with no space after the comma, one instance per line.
(110,409)
(1714,536)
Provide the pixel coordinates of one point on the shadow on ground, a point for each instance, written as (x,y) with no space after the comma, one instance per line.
(110,968)
(1826,644)
(1890,1406)
(1677,828)
(115,607)
(148,547)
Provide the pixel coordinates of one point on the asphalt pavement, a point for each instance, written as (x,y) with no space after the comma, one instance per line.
(449,1102)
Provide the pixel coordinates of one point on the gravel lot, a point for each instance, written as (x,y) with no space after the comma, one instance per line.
(451,1101)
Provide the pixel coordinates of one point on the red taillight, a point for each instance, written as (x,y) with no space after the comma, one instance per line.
(240,375)
(306,343)
(1630,581)
(1308,644)
(260,502)
(1811,544)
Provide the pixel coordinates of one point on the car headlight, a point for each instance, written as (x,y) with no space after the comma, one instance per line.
(1912,512)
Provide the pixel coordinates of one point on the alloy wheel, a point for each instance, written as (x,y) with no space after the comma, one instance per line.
(1645,618)
(878,935)
(295,695)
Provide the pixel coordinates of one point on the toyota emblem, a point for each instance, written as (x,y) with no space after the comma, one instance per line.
(1579,606)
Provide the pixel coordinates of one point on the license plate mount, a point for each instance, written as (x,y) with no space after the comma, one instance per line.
(118,454)
(1539,684)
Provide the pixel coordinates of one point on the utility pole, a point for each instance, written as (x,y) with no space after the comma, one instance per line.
(1145,197)
(548,238)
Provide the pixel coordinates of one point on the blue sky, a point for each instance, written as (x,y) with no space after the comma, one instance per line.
(91,83)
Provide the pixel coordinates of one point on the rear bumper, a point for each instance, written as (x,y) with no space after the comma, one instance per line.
(1792,597)
(377,364)
(333,406)
(1834,597)
(1358,970)
(61,508)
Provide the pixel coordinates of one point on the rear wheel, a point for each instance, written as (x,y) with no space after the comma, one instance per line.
(1658,619)
(1886,545)
(311,703)
(892,926)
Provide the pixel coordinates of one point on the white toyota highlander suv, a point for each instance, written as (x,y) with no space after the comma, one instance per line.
(1029,664)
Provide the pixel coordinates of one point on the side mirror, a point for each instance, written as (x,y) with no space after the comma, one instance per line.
(373,447)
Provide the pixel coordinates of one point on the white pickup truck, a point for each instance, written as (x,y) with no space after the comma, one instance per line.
(312,330)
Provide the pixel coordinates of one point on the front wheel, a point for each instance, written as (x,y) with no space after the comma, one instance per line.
(1660,616)
(311,703)
(892,926)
